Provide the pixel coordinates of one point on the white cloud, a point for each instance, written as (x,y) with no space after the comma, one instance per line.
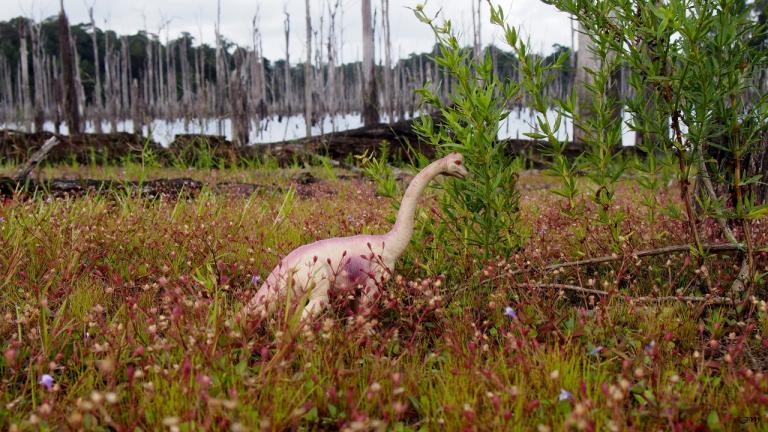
(544,24)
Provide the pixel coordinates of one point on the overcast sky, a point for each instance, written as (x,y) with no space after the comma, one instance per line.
(542,23)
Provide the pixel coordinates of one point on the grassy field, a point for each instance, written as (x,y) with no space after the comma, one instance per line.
(125,313)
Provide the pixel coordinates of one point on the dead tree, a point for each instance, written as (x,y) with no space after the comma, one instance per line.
(319,107)
(308,75)
(221,75)
(97,100)
(125,78)
(136,108)
(68,72)
(149,75)
(109,84)
(332,108)
(41,84)
(389,94)
(239,105)
(26,97)
(186,82)
(477,47)
(287,67)
(171,90)
(369,93)
(5,86)
(258,75)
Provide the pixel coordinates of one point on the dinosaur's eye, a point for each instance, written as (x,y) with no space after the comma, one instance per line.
(458,162)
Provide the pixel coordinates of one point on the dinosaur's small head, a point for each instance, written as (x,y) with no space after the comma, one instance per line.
(454,166)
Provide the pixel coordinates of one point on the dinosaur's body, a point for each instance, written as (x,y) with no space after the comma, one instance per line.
(348,262)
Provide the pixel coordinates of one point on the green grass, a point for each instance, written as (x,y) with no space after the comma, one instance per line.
(133,306)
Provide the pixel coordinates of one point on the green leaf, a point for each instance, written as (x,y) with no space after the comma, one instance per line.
(713,421)
(757,212)
(332,410)
(535,135)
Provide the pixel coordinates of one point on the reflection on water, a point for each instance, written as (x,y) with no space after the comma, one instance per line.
(273,129)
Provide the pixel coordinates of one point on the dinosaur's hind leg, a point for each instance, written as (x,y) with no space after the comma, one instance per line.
(318,299)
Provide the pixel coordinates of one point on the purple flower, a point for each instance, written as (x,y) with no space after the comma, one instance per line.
(2,219)
(596,350)
(649,347)
(255,280)
(542,231)
(564,395)
(46,381)
(508,311)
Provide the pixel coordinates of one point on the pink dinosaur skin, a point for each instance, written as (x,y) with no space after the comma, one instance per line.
(357,269)
(347,262)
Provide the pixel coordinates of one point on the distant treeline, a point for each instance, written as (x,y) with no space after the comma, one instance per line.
(147,76)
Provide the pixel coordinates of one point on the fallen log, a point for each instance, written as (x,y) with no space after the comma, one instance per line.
(64,187)
(189,149)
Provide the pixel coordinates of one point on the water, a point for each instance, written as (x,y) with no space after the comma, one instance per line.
(271,130)
(523,121)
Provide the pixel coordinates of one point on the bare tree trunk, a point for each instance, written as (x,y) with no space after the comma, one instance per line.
(172,95)
(136,108)
(388,72)
(203,91)
(109,81)
(287,66)
(78,81)
(160,104)
(6,87)
(72,109)
(58,96)
(125,78)
(149,77)
(477,46)
(370,102)
(26,96)
(239,105)
(39,75)
(186,83)
(97,100)
(259,76)
(332,92)
(221,75)
(308,77)
(319,82)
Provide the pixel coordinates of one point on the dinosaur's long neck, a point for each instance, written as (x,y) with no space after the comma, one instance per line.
(398,238)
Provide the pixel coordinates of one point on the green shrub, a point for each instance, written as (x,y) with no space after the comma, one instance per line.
(481,210)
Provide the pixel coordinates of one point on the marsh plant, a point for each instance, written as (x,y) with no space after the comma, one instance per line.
(481,211)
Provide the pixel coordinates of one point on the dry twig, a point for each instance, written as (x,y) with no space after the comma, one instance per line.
(646,299)
(711,248)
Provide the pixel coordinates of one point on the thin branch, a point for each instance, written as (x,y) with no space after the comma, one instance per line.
(711,248)
(705,299)
(704,176)
(35,159)
(562,287)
